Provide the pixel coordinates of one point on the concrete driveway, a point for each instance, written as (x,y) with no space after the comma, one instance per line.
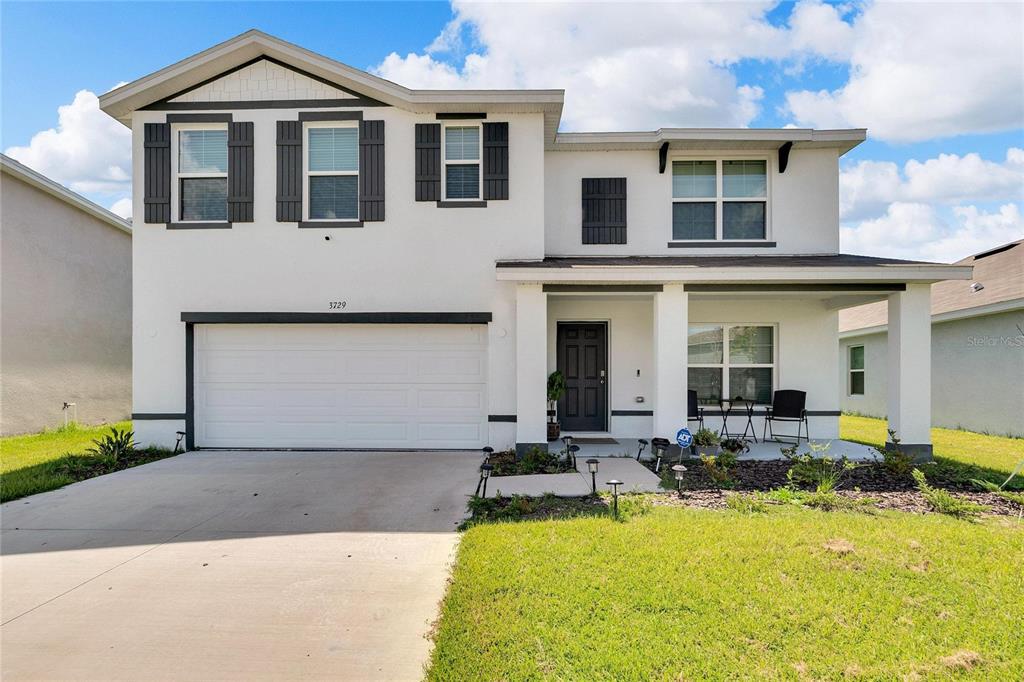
(234,565)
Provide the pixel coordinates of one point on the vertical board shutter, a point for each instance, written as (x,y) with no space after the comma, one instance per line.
(495,160)
(604,210)
(371,171)
(289,171)
(241,168)
(428,162)
(157,161)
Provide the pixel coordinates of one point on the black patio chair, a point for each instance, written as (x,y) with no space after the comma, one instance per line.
(787,406)
(694,412)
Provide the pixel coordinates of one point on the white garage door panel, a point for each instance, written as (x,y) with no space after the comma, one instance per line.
(343,386)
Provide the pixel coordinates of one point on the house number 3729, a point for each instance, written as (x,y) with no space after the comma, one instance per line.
(336,305)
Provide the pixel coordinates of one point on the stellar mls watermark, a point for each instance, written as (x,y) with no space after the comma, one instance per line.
(994,341)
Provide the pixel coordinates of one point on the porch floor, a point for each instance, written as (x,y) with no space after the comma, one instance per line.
(627,447)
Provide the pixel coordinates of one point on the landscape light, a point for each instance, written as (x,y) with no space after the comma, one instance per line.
(592,467)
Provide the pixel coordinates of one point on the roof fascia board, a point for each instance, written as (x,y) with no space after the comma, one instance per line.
(948,316)
(41,182)
(695,273)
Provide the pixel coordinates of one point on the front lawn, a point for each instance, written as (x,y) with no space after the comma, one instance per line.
(995,456)
(693,594)
(44,461)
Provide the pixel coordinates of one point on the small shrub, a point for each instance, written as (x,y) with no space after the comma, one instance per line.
(894,460)
(747,504)
(706,438)
(633,505)
(944,502)
(816,468)
(734,446)
(719,467)
(114,446)
(990,487)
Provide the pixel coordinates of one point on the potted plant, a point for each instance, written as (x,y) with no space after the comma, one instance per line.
(706,441)
(734,446)
(556,389)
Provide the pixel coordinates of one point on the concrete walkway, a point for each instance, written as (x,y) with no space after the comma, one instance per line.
(634,476)
(234,565)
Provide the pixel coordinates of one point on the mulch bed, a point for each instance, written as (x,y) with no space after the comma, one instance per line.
(505,464)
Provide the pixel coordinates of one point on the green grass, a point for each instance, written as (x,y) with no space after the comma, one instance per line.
(44,461)
(968,454)
(692,594)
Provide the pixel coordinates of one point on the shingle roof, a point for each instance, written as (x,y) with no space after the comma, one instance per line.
(999,270)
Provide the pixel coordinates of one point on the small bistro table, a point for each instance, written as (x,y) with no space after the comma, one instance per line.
(728,406)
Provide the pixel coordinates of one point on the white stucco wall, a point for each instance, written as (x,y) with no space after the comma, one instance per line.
(806,349)
(803,203)
(65,314)
(422,258)
(977,374)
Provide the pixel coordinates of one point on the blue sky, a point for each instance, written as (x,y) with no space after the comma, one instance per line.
(934,83)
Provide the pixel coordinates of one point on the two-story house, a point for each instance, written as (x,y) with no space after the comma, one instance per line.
(325,259)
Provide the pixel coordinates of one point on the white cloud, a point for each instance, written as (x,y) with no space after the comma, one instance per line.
(922,70)
(122,207)
(88,151)
(868,187)
(920,232)
(622,65)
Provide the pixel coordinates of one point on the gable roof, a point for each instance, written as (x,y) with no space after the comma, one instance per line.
(172,82)
(40,181)
(251,45)
(1000,271)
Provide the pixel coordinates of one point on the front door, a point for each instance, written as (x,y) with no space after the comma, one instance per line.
(583,359)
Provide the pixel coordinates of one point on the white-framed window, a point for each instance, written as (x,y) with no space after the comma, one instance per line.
(331,170)
(720,199)
(732,361)
(201,173)
(855,385)
(462,152)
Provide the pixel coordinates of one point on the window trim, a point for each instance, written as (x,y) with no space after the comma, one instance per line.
(462,123)
(176,193)
(719,199)
(307,221)
(726,365)
(850,370)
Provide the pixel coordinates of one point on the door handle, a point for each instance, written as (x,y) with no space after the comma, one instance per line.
(602,377)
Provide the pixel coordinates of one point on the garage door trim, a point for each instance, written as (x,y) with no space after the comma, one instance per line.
(193,318)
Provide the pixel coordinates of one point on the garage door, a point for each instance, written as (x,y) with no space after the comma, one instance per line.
(340,386)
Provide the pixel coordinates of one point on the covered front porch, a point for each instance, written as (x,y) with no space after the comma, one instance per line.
(633,339)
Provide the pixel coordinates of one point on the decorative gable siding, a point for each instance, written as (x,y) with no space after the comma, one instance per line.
(263,80)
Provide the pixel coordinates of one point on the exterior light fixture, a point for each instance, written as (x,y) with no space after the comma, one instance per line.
(642,444)
(177,443)
(573,449)
(488,451)
(592,468)
(615,483)
(485,473)
(567,443)
(658,447)
(679,470)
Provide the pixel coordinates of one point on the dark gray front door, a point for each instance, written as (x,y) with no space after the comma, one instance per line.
(583,359)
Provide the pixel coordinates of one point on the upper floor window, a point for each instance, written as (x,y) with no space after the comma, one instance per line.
(719,199)
(332,171)
(202,168)
(461,162)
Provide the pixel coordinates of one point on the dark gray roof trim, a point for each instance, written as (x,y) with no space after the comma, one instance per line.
(838,260)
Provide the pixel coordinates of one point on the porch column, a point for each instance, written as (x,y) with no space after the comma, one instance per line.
(910,366)
(531,367)
(670,346)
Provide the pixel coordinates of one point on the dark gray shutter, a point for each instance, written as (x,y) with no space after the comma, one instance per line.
(289,171)
(495,161)
(604,210)
(428,162)
(157,161)
(371,171)
(241,169)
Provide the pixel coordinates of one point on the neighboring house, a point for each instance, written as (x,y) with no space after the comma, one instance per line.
(325,259)
(66,308)
(977,349)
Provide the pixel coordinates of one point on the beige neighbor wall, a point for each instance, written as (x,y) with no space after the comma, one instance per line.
(977,374)
(65,313)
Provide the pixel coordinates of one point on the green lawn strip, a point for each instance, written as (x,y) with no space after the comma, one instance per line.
(693,594)
(39,462)
(959,455)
